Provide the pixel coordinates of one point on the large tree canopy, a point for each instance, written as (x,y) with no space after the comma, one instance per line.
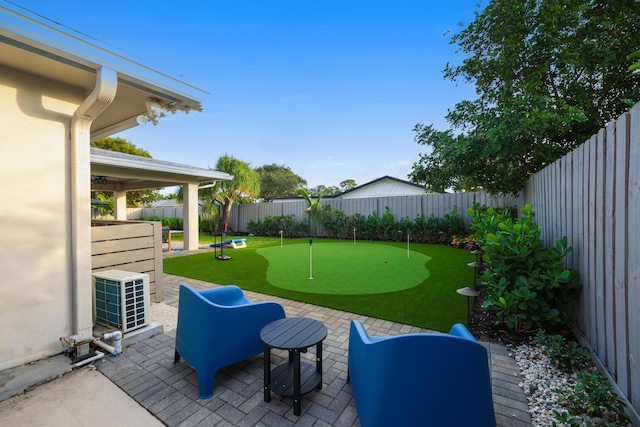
(278,181)
(135,198)
(548,74)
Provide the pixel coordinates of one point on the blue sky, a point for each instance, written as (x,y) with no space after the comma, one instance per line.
(331,89)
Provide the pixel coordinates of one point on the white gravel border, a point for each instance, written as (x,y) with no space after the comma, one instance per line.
(165,315)
(539,380)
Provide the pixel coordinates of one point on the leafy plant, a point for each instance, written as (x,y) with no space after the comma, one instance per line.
(388,229)
(567,355)
(592,395)
(525,283)
(272,225)
(334,223)
(371,227)
(172,222)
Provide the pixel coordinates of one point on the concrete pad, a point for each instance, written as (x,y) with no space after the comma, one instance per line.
(16,380)
(131,337)
(83,397)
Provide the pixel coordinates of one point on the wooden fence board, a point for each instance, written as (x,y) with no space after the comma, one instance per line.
(586,233)
(118,258)
(119,231)
(621,242)
(592,244)
(633,234)
(107,246)
(599,247)
(609,247)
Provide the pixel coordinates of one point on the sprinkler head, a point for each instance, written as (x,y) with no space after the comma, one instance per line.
(385,261)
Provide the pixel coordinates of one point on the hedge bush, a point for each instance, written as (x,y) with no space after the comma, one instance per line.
(341,226)
(526,283)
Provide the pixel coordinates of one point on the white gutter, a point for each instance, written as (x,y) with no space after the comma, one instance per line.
(102,95)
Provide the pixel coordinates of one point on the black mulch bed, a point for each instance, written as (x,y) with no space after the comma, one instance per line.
(482,324)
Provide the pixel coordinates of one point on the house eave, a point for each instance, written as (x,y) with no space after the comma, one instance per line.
(36,45)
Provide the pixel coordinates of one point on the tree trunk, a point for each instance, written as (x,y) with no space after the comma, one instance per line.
(226,215)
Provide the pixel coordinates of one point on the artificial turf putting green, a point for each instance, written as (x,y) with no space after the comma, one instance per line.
(432,304)
(344,268)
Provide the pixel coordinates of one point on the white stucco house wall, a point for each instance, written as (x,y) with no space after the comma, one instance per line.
(58,92)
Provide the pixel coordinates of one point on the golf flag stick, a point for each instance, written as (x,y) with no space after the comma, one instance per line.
(310,259)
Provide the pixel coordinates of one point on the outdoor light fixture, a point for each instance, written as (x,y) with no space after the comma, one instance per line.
(154,112)
(142,119)
(100,180)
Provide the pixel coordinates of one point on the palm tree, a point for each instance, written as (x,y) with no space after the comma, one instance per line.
(314,210)
(245,184)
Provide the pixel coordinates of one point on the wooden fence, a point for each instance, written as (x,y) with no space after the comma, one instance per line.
(160,212)
(592,195)
(129,246)
(399,206)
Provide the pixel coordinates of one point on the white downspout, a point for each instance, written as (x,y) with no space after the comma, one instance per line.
(102,95)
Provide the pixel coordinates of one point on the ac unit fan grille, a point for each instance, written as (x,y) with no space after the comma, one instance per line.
(120,303)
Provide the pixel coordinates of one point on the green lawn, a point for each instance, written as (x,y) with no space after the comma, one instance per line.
(432,303)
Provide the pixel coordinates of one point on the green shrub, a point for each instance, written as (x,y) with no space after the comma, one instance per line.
(388,230)
(334,223)
(206,225)
(403,225)
(357,221)
(526,283)
(592,395)
(271,226)
(173,223)
(371,227)
(566,355)
(451,226)
(419,229)
(150,218)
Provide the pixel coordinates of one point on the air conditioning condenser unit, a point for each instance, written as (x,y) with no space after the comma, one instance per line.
(121,300)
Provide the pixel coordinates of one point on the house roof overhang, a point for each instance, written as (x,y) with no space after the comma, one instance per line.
(35,45)
(114,171)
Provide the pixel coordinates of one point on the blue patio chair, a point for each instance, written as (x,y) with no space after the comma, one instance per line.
(218,327)
(420,379)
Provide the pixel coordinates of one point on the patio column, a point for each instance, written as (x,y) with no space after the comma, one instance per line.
(120,205)
(190,214)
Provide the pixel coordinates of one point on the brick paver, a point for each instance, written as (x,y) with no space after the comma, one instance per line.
(170,392)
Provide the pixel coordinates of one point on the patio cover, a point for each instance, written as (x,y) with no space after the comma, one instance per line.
(114,171)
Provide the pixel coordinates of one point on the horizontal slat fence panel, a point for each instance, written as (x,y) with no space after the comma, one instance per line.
(129,246)
(592,195)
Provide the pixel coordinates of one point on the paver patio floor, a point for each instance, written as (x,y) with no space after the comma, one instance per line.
(145,371)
